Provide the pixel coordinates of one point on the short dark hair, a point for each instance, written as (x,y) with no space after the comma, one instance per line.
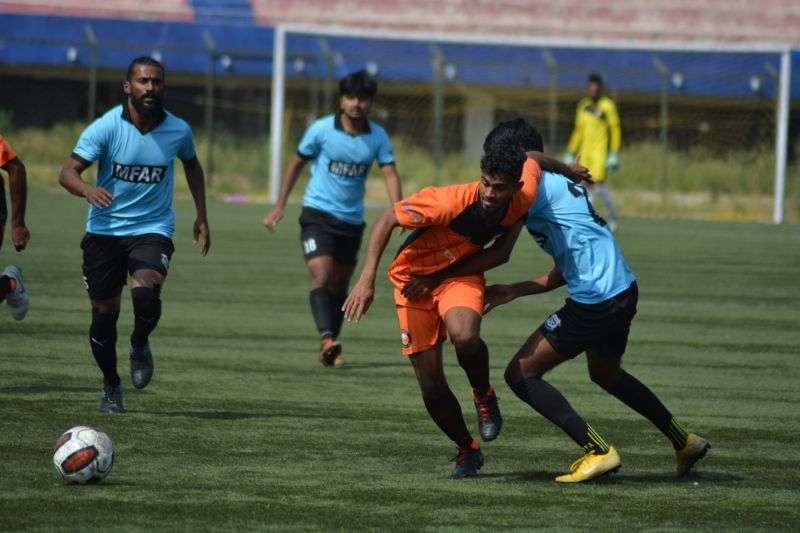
(595,78)
(358,84)
(516,132)
(503,161)
(145,60)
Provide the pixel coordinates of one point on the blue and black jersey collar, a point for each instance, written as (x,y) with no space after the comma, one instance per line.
(337,123)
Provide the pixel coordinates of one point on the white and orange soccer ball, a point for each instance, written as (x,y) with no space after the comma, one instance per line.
(83,454)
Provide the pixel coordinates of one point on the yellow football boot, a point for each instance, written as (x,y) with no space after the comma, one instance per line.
(695,449)
(591,466)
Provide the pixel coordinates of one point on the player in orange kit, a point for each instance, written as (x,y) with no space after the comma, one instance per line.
(12,288)
(451,223)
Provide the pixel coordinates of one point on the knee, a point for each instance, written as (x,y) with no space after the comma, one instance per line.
(320,274)
(519,370)
(320,280)
(605,380)
(146,300)
(465,340)
(512,374)
(104,317)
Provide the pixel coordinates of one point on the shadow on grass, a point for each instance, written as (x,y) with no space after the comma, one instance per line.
(650,479)
(530,475)
(363,366)
(235,415)
(42,389)
(710,477)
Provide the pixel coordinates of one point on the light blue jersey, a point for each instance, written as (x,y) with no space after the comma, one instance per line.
(566,226)
(341,165)
(137,169)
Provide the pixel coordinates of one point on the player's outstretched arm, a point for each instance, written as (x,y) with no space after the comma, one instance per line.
(497,254)
(18,187)
(363,292)
(497,295)
(196,179)
(70,179)
(287,184)
(573,171)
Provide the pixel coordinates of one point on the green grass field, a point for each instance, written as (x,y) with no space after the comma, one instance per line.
(242,429)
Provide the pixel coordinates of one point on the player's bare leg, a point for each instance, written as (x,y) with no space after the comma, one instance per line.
(607,372)
(444,409)
(524,375)
(463,327)
(146,297)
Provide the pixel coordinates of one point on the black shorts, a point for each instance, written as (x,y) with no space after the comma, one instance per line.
(604,327)
(107,260)
(324,235)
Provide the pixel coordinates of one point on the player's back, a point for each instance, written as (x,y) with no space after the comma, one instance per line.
(565,224)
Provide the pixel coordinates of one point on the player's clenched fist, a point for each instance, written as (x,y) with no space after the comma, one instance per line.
(272,218)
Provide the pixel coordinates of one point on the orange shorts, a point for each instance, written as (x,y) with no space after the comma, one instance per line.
(422,321)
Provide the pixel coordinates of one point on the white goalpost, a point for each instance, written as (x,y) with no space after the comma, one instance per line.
(771,87)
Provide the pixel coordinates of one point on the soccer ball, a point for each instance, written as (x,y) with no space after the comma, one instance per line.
(83,454)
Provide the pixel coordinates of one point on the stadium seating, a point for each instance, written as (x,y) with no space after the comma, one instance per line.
(629,20)
(164,10)
(626,20)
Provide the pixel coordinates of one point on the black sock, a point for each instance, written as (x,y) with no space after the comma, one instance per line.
(641,399)
(552,405)
(5,287)
(446,412)
(476,365)
(677,435)
(146,311)
(337,315)
(103,341)
(320,300)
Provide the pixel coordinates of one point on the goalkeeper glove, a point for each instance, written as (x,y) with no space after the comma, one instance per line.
(612,162)
(569,157)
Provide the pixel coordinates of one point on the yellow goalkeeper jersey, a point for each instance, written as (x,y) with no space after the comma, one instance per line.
(596,132)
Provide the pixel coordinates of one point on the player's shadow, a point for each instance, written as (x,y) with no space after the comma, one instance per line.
(364,366)
(649,479)
(529,475)
(238,415)
(43,389)
(699,477)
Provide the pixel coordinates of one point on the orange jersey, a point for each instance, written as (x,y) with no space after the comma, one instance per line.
(6,152)
(449,226)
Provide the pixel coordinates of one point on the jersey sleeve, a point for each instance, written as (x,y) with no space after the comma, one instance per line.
(524,200)
(6,152)
(93,141)
(432,206)
(385,153)
(187,151)
(531,176)
(311,143)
